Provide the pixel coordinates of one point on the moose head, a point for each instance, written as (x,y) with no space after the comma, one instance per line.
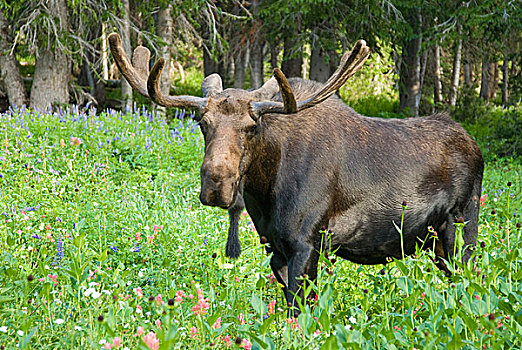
(229,118)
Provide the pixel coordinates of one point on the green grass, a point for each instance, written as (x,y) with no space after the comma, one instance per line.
(91,235)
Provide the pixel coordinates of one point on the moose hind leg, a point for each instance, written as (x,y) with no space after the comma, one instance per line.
(471,214)
(279,265)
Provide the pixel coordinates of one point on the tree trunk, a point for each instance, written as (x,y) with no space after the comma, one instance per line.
(488,85)
(292,63)
(257,44)
(437,97)
(104,53)
(467,69)
(9,71)
(505,81)
(126,89)
(256,64)
(319,67)
(455,77)
(240,67)
(410,71)
(164,30)
(274,52)
(52,69)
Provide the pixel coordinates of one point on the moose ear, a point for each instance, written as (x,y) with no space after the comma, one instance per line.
(211,85)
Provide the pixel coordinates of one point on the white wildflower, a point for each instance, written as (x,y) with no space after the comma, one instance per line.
(77,328)
(59,321)
(3,329)
(20,333)
(352,319)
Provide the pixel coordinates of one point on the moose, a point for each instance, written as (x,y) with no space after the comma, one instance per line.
(303,163)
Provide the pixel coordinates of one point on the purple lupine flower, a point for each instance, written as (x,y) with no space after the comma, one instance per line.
(59,219)
(36,236)
(114,249)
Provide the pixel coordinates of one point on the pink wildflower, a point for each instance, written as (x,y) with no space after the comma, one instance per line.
(151,340)
(271,307)
(227,340)
(139,292)
(150,239)
(139,309)
(138,236)
(107,345)
(139,331)
(48,226)
(272,278)
(158,323)
(237,279)
(62,143)
(116,342)
(179,296)
(241,318)
(217,324)
(483,200)
(159,300)
(202,305)
(157,228)
(246,344)
(292,322)
(75,141)
(191,296)
(193,332)
(423,295)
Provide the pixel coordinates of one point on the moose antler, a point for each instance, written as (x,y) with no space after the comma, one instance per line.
(137,74)
(350,63)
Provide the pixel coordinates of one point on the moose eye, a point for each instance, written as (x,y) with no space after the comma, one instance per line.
(252,129)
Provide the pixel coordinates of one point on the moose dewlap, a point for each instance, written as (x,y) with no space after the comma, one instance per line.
(299,160)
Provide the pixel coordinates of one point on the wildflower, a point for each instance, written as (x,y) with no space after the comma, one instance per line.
(59,321)
(292,322)
(241,318)
(271,307)
(114,248)
(3,329)
(193,332)
(75,141)
(483,200)
(272,278)
(217,324)
(157,228)
(139,331)
(139,292)
(158,323)
(179,296)
(237,279)
(227,340)
(150,239)
(138,236)
(139,309)
(151,340)
(352,320)
(116,342)
(246,344)
(202,304)
(159,300)
(35,236)
(77,328)
(20,333)
(107,345)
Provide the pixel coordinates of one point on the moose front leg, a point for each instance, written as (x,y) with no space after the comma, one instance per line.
(303,263)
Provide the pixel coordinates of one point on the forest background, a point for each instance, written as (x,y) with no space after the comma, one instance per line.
(428,55)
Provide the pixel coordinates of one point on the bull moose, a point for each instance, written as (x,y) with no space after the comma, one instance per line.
(300,160)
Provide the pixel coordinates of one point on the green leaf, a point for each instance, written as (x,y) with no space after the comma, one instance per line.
(330,343)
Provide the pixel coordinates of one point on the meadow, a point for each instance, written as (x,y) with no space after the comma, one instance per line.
(104,244)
